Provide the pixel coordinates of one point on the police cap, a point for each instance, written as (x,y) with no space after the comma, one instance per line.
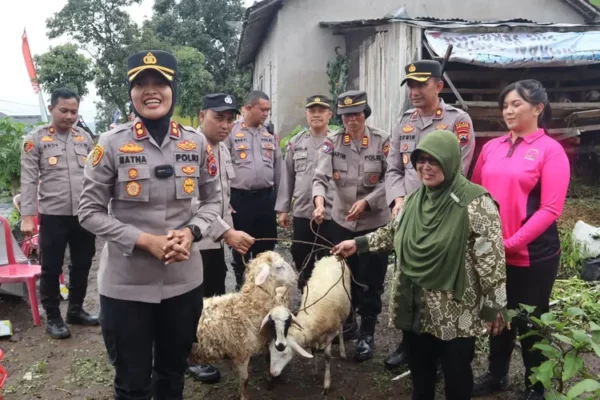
(158,60)
(318,100)
(220,102)
(422,70)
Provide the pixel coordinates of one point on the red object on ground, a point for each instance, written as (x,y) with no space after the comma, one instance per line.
(3,373)
(20,273)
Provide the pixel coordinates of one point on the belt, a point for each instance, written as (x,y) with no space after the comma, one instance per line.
(257,192)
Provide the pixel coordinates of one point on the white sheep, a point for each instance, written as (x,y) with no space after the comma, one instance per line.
(229,327)
(325,306)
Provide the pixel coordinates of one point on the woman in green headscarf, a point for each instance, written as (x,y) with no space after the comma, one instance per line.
(449,278)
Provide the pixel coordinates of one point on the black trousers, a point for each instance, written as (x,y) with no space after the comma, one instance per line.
(301,253)
(368,269)
(255,215)
(215,271)
(425,351)
(531,286)
(56,231)
(148,344)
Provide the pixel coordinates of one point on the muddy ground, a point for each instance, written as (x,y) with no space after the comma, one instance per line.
(77,368)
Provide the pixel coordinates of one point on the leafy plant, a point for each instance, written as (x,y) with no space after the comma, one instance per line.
(11,140)
(338,71)
(564,373)
(285,140)
(570,256)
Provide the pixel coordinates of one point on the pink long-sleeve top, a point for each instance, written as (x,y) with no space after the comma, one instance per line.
(529,179)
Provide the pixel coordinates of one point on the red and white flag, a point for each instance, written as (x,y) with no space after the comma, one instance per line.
(29,63)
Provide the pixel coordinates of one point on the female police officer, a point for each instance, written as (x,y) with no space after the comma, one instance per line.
(150,170)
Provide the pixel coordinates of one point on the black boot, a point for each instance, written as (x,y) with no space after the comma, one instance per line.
(397,358)
(55,326)
(487,383)
(366,341)
(204,373)
(76,315)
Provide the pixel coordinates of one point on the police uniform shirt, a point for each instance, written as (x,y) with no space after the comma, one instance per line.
(256,157)
(224,176)
(401,178)
(128,169)
(358,173)
(297,176)
(56,161)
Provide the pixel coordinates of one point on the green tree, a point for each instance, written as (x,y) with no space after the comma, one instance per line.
(64,66)
(11,140)
(194,81)
(596,3)
(105,30)
(210,26)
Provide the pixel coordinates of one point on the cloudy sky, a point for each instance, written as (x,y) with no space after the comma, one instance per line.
(16,94)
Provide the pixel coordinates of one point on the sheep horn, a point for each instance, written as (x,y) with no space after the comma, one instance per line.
(264,321)
(296,322)
(298,349)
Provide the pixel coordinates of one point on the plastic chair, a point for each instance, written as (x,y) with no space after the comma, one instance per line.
(20,273)
(33,243)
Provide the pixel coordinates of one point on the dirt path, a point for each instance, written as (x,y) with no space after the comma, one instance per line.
(77,368)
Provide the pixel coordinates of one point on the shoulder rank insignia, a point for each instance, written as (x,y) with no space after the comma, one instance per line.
(175,130)
(28,146)
(140,131)
(365,142)
(186,145)
(386,149)
(347,139)
(51,130)
(438,113)
(131,148)
(97,155)
(243,125)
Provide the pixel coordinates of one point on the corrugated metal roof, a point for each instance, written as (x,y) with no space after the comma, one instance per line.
(588,11)
(257,21)
(427,22)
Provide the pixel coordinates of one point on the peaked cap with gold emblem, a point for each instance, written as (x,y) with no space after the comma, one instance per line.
(158,60)
(318,100)
(353,101)
(422,70)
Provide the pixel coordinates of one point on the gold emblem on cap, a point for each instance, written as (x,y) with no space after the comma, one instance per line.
(150,59)
(348,101)
(317,99)
(412,68)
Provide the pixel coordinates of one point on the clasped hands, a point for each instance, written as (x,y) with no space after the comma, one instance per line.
(170,248)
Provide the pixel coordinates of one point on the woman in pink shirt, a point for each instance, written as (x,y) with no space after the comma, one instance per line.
(527,173)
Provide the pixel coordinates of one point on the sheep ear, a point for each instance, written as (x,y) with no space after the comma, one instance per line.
(298,349)
(262,276)
(264,321)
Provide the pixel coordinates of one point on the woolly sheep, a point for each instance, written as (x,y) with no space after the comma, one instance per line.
(229,327)
(325,306)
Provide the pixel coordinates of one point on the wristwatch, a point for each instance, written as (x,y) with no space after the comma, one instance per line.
(195,232)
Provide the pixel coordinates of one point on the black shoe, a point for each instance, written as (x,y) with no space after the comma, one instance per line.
(204,373)
(530,394)
(55,326)
(397,359)
(77,316)
(487,383)
(364,348)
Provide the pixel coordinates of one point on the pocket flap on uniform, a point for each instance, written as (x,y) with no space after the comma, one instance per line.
(372,167)
(187,170)
(301,155)
(82,151)
(230,171)
(53,152)
(267,145)
(134,173)
(242,146)
(340,165)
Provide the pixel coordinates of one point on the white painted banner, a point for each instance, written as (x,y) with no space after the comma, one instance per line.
(519,49)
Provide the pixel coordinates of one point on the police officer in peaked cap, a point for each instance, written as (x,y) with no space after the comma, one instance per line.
(354,160)
(424,84)
(152,171)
